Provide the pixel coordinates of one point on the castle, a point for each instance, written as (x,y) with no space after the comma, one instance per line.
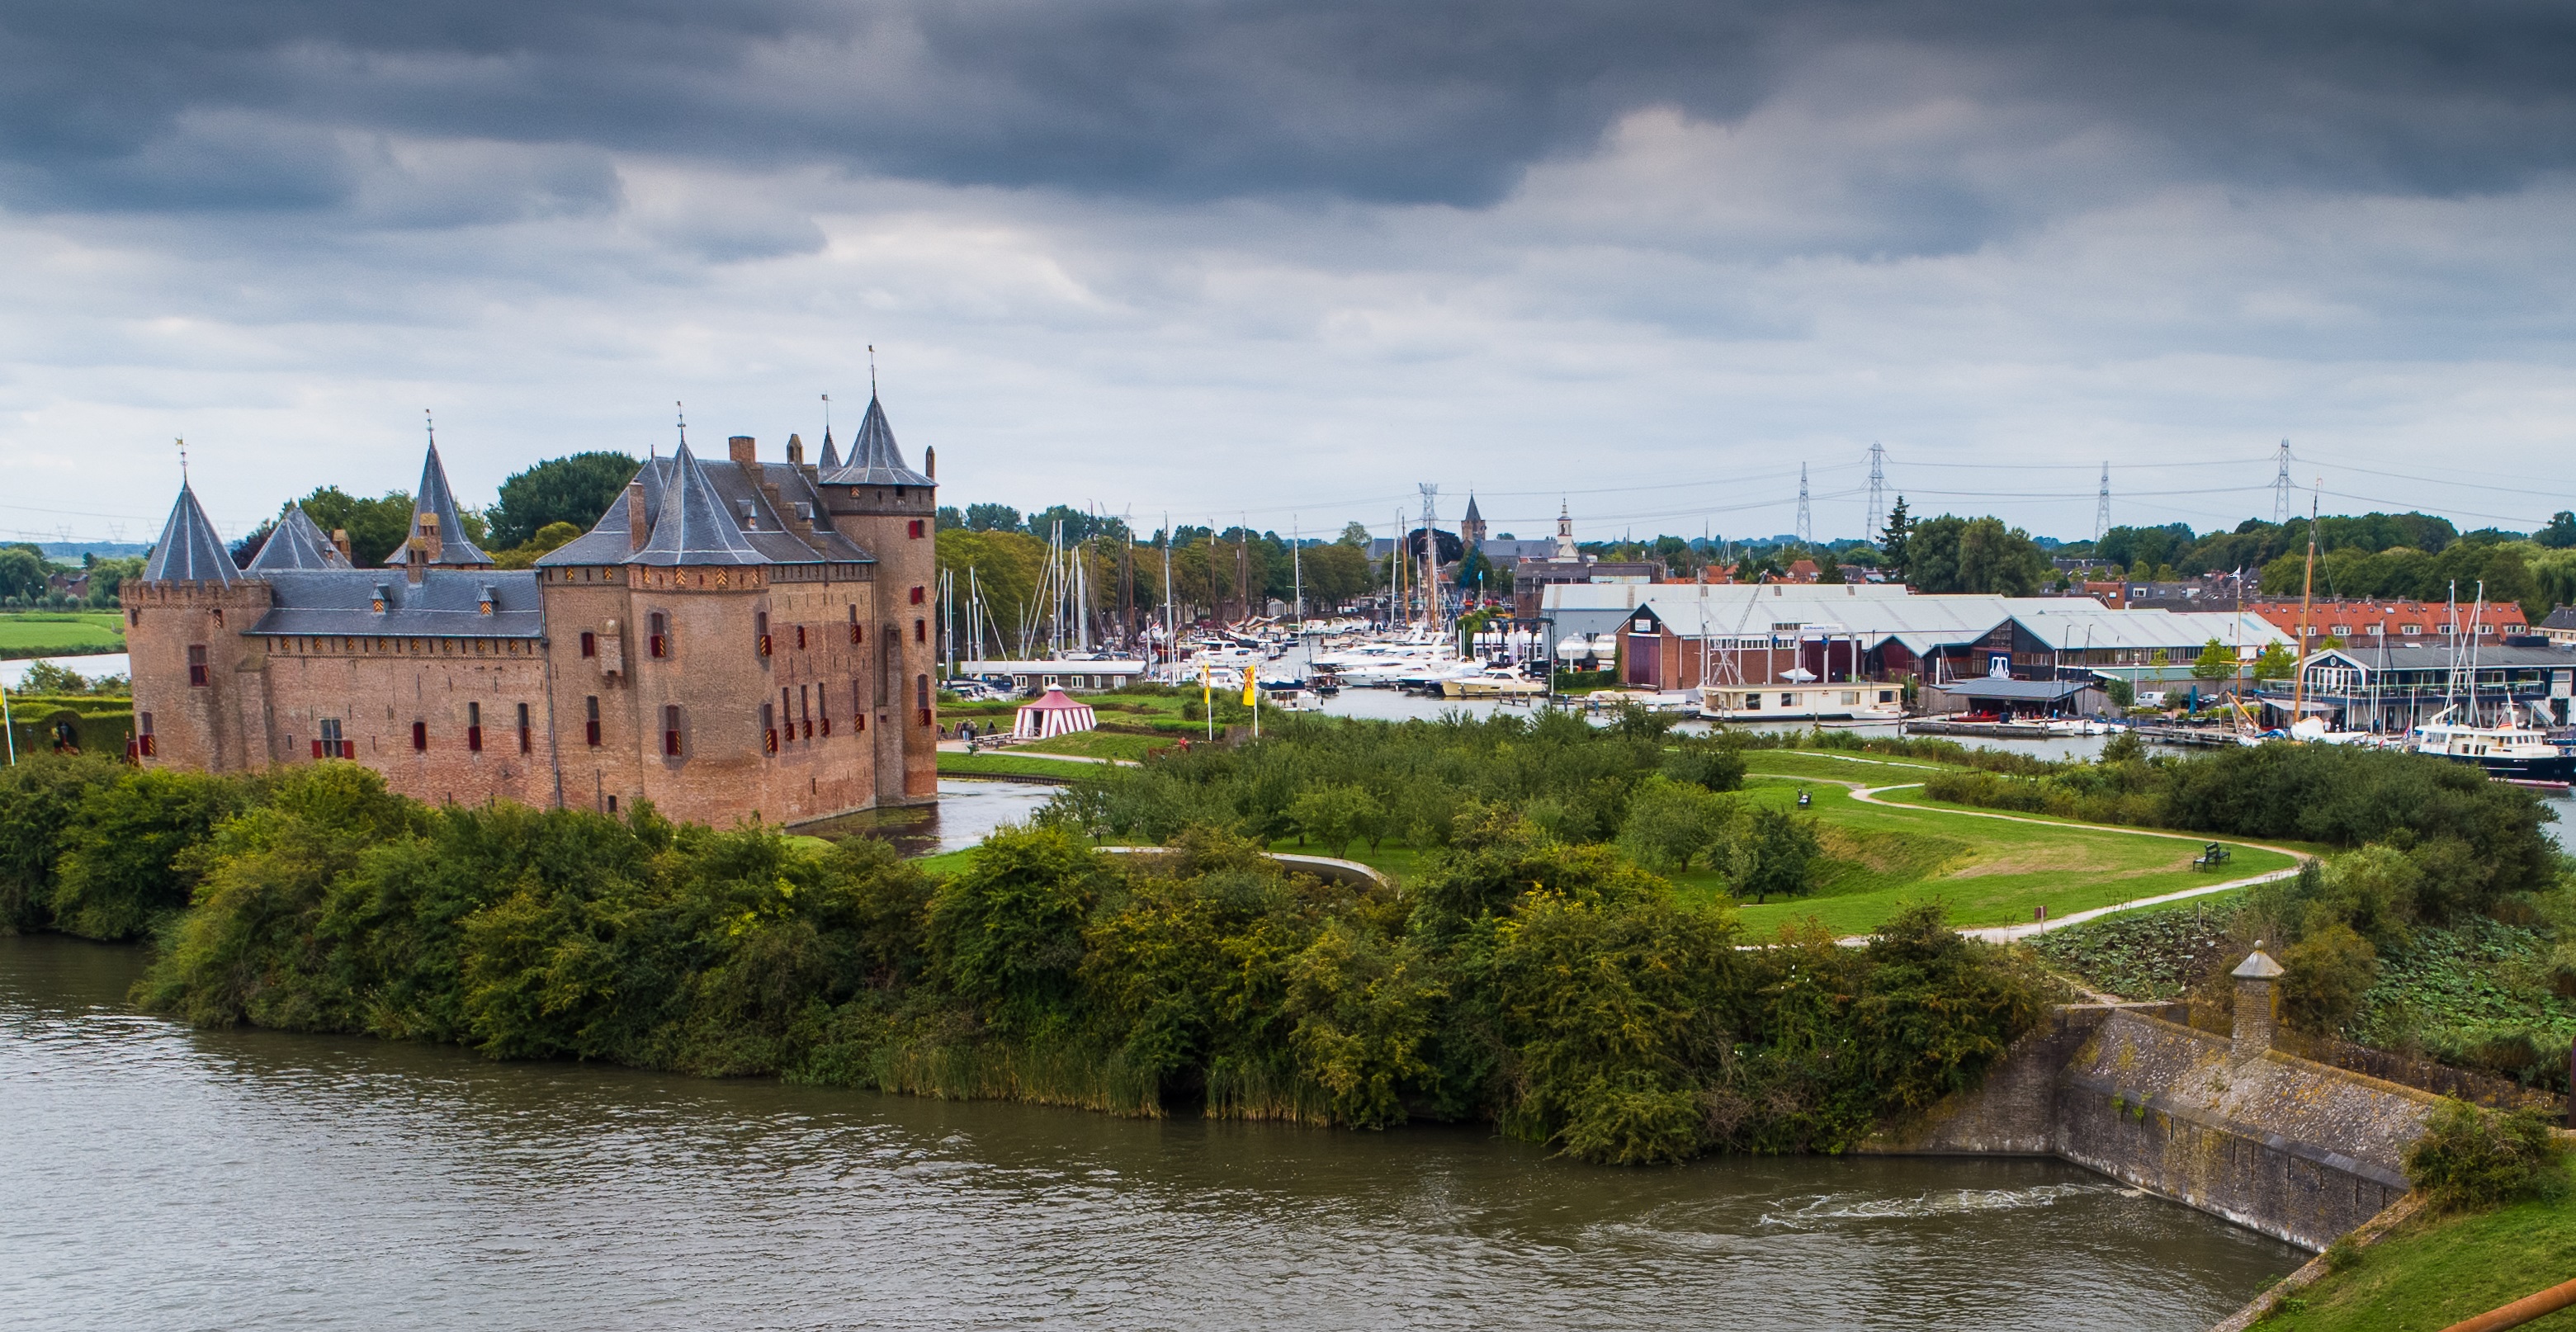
(731,640)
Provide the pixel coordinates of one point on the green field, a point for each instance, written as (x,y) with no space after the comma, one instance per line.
(60,633)
(1987,871)
(2430,1274)
(1096,744)
(1010,765)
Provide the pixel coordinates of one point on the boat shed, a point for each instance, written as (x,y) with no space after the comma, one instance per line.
(2010,699)
(1076,674)
(2395,686)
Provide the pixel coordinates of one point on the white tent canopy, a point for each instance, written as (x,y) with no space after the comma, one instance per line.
(1053,714)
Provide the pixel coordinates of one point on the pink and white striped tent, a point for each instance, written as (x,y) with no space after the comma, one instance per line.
(1053,714)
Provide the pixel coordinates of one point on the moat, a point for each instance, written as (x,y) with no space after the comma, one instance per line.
(165,1177)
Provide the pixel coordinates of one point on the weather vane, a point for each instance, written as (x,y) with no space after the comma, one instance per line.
(827,416)
(431,424)
(183,462)
(872,373)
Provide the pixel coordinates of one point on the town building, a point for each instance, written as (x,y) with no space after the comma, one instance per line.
(2391,684)
(733,639)
(1564,563)
(2560,627)
(2364,618)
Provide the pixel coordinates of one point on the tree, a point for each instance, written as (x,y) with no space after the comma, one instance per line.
(1476,575)
(1672,823)
(1771,850)
(1354,535)
(1952,554)
(947,518)
(1335,574)
(575,489)
(22,573)
(1334,816)
(2561,532)
(2214,663)
(2276,663)
(375,526)
(992,518)
(549,538)
(1894,544)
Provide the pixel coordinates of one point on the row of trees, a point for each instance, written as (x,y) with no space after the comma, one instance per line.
(1552,989)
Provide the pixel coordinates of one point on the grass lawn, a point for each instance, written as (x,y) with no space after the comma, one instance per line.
(970,765)
(1095,744)
(60,633)
(1867,769)
(1913,795)
(2431,1274)
(1988,871)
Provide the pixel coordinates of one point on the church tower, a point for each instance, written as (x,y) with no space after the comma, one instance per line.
(1471,529)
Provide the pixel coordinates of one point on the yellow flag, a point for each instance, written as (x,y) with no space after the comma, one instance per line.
(1250,683)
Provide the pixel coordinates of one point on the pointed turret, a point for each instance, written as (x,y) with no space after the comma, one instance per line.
(691,525)
(874,460)
(1471,528)
(436,523)
(297,543)
(831,460)
(189,550)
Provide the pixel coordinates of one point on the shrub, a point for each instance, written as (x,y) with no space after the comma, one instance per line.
(2326,975)
(120,872)
(39,797)
(2470,1158)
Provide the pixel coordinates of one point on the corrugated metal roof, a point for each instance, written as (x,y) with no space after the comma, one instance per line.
(2043,690)
(189,550)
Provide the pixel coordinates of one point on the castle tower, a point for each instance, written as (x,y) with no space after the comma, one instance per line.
(437,537)
(184,620)
(889,510)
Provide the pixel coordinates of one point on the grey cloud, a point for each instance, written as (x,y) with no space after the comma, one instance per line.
(1427,101)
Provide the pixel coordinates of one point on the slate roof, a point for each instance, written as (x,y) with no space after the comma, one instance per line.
(831,459)
(297,542)
(2560,617)
(701,512)
(874,459)
(189,550)
(446,603)
(434,497)
(1471,516)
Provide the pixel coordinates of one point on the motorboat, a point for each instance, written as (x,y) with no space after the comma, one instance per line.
(2510,750)
(1492,682)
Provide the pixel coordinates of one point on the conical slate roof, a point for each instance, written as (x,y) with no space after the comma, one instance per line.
(297,543)
(831,459)
(692,526)
(874,460)
(435,498)
(1471,515)
(189,550)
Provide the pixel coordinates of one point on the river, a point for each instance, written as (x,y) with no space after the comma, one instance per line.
(168,1178)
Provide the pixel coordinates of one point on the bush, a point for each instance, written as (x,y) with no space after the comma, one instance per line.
(39,798)
(2327,973)
(2472,1158)
(121,870)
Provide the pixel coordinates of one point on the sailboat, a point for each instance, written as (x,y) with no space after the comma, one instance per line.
(2511,749)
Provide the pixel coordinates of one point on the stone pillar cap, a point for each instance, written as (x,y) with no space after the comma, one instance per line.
(2258,965)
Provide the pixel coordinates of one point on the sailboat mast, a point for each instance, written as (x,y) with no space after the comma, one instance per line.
(2307,597)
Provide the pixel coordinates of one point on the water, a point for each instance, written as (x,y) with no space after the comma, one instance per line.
(168,1178)
(966,812)
(95,666)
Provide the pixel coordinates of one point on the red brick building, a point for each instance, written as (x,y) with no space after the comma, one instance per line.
(732,640)
(2366,620)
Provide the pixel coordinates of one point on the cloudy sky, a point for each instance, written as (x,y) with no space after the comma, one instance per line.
(1285,260)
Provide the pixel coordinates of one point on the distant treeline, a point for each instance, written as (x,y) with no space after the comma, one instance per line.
(1555,990)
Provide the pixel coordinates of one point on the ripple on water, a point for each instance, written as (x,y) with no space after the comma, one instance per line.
(172,1178)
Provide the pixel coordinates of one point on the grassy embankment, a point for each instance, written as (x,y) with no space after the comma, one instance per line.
(2433,1272)
(60,633)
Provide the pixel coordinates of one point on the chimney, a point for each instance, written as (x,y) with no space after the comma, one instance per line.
(340,538)
(638,524)
(739,449)
(930,462)
(429,536)
(415,560)
(795,451)
(2254,1003)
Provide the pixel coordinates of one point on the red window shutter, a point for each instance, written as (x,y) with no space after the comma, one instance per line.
(916,529)
(594,734)
(764,645)
(854,635)
(147,746)
(474,739)
(420,735)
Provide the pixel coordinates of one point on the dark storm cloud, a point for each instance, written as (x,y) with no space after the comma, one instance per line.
(176,104)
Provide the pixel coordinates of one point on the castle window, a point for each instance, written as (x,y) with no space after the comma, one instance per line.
(419,736)
(589,643)
(855,630)
(136,617)
(197,672)
(671,731)
(823,706)
(921,697)
(474,728)
(527,733)
(769,728)
(760,631)
(659,643)
(800,638)
(921,631)
(919,595)
(805,710)
(143,734)
(916,529)
(332,745)
(590,706)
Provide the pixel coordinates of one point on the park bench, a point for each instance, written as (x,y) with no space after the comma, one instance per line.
(2211,856)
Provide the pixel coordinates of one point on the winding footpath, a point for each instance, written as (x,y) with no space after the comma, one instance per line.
(1868,795)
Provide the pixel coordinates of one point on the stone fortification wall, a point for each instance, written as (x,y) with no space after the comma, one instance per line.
(2298,1150)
